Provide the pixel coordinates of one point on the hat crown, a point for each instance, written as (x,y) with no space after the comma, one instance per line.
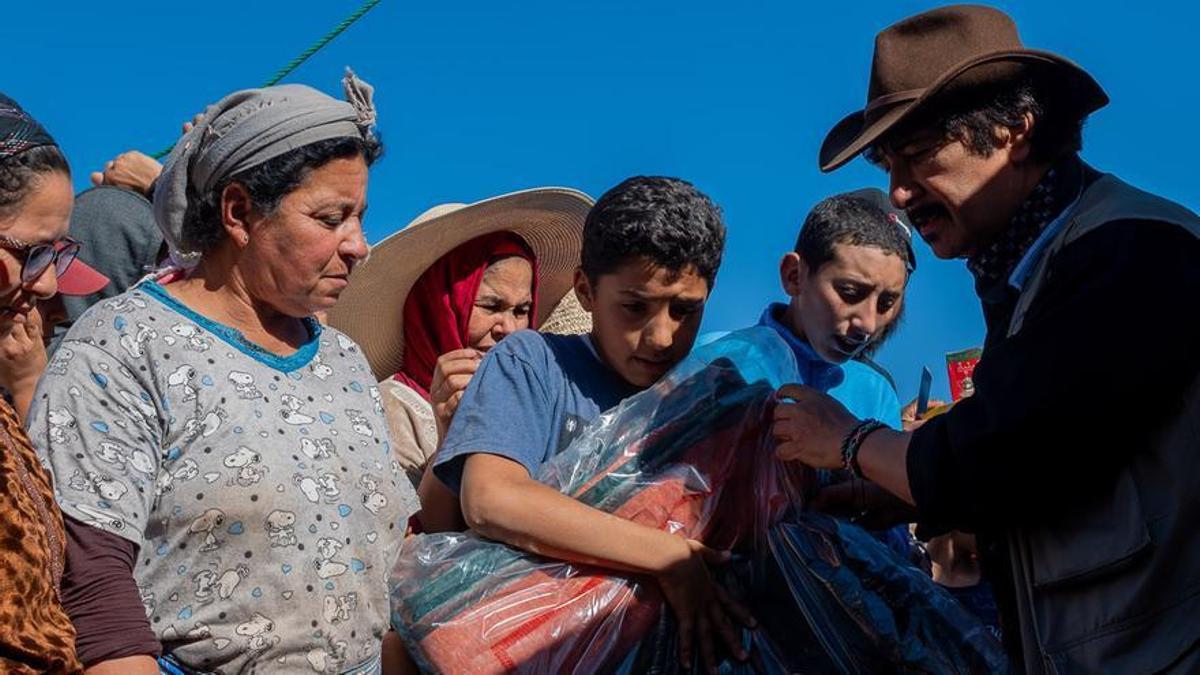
(912,54)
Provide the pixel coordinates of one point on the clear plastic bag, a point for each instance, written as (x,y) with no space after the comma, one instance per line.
(691,455)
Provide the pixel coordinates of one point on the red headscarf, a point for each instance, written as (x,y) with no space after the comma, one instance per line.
(438,309)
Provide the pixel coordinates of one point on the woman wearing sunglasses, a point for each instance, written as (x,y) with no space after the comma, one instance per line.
(35,258)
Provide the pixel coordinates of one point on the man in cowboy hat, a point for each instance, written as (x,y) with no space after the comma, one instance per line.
(1080,478)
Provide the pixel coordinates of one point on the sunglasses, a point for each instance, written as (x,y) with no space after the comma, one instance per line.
(39,257)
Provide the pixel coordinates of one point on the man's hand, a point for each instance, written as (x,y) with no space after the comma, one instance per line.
(810,427)
(908,414)
(451,376)
(701,606)
(130,170)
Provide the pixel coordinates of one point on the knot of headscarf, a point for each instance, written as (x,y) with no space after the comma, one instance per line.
(246,129)
(437,313)
(18,130)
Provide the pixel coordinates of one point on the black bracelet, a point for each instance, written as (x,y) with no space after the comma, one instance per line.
(853,441)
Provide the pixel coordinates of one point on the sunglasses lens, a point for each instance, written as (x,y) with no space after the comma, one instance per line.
(66,256)
(36,262)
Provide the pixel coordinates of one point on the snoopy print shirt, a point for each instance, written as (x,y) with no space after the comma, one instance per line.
(260,489)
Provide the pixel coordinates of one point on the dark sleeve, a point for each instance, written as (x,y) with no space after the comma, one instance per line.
(1100,363)
(102,598)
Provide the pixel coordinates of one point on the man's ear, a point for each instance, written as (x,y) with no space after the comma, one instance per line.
(237,213)
(583,290)
(1019,139)
(793,273)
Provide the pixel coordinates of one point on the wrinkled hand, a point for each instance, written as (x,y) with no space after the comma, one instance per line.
(864,503)
(810,427)
(451,376)
(908,414)
(701,606)
(22,352)
(130,170)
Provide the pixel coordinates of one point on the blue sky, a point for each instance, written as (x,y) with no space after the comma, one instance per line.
(481,98)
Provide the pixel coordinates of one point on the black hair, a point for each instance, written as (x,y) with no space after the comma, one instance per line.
(18,173)
(971,115)
(268,183)
(666,221)
(849,220)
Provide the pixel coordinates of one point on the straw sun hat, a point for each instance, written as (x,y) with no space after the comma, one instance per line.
(550,220)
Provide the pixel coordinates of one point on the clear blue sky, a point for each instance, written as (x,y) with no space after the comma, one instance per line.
(480,98)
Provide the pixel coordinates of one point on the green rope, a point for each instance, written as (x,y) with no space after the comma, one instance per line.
(304,56)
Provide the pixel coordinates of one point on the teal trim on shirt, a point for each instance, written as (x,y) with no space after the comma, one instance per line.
(284,364)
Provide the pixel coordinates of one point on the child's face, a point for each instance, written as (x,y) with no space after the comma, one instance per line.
(847,302)
(644,317)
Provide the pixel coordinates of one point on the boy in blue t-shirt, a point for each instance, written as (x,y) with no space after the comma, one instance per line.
(651,249)
(846,280)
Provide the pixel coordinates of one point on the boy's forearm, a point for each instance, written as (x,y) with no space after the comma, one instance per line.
(501,502)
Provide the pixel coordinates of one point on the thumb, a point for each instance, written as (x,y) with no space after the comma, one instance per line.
(97,178)
(711,556)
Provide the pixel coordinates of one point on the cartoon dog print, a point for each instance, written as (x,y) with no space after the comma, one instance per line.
(210,584)
(62,359)
(112,453)
(148,601)
(180,380)
(193,338)
(142,462)
(281,528)
(62,425)
(320,369)
(359,422)
(207,524)
(243,384)
(338,608)
(109,489)
(376,399)
(322,660)
(138,409)
(257,629)
(346,344)
(327,567)
(99,517)
(166,479)
(203,427)
(135,344)
(125,304)
(373,500)
(324,485)
(292,413)
(319,449)
(248,465)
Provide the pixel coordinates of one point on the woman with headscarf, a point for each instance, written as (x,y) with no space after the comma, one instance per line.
(436,296)
(220,456)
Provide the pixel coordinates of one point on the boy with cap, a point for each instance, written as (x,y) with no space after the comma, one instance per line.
(1080,480)
(651,249)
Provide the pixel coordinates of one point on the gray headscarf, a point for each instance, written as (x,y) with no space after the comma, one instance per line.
(244,130)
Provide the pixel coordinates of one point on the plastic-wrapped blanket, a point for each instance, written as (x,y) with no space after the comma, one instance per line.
(691,455)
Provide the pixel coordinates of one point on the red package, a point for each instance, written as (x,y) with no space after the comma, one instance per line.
(961,366)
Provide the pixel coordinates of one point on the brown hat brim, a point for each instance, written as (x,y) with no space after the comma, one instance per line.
(852,134)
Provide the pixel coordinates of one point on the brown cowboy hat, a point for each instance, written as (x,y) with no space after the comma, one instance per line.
(947,48)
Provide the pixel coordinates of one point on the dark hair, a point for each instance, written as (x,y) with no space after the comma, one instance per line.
(844,219)
(268,183)
(17,173)
(971,115)
(664,220)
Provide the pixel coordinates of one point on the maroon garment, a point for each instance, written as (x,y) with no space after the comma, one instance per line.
(102,598)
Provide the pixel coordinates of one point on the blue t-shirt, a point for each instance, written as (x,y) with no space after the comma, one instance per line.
(532,395)
(864,391)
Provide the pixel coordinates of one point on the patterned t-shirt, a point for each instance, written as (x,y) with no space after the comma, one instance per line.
(260,489)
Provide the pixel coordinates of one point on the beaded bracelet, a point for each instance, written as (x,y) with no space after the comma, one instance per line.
(853,442)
